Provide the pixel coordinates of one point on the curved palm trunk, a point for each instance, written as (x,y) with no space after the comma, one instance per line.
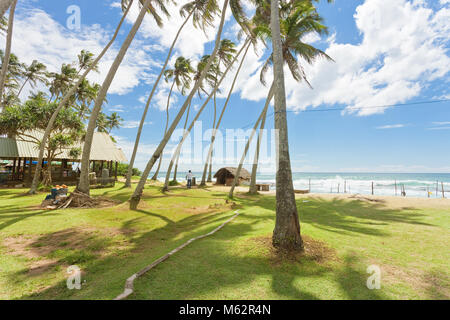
(247,146)
(213,137)
(65,100)
(23,86)
(178,150)
(7,50)
(178,157)
(136,197)
(258,146)
(214,125)
(144,115)
(155,176)
(286,234)
(83,186)
(4,6)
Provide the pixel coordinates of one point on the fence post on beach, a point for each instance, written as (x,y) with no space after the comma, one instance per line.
(339,185)
(372,187)
(396,187)
(345,186)
(437,188)
(443,192)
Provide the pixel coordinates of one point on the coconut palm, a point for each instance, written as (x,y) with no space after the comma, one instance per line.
(147,7)
(14,75)
(303,20)
(186,133)
(239,15)
(61,82)
(226,51)
(5,61)
(202,13)
(34,73)
(86,60)
(113,121)
(181,75)
(67,98)
(209,80)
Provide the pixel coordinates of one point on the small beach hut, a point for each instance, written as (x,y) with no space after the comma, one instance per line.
(226,176)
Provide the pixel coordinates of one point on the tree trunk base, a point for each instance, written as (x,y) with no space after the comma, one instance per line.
(288,243)
(134,202)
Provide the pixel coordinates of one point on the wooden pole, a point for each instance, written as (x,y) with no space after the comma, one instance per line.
(29,169)
(115,170)
(345,186)
(437,188)
(443,192)
(339,185)
(372,187)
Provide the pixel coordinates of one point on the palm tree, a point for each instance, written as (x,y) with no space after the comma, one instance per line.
(202,13)
(303,20)
(186,133)
(13,76)
(34,73)
(181,75)
(5,62)
(102,123)
(113,121)
(286,234)
(86,60)
(4,6)
(62,81)
(67,98)
(226,51)
(147,7)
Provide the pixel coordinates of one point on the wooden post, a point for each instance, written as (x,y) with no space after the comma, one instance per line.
(101,167)
(372,187)
(345,186)
(437,188)
(29,170)
(14,167)
(115,170)
(443,192)
(339,185)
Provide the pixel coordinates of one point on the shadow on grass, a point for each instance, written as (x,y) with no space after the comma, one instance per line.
(217,262)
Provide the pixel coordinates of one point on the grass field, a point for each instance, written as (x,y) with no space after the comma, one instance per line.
(408,239)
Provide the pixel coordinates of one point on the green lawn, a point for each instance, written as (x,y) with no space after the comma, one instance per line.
(344,237)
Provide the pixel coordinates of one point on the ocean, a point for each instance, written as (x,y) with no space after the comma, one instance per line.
(415,184)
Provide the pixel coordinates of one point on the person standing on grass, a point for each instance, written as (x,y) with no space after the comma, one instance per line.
(189,179)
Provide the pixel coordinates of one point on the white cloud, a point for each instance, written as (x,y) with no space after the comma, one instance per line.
(441,123)
(391,126)
(38,36)
(404,47)
(131,124)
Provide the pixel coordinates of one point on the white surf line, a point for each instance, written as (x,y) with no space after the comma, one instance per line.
(129,287)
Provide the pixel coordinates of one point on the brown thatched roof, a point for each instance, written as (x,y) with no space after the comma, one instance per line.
(244,174)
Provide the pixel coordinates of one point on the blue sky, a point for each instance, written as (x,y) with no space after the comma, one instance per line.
(386,52)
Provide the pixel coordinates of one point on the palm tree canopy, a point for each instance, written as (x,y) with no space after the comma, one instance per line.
(203,12)
(151,10)
(298,18)
(36,72)
(226,52)
(85,60)
(212,74)
(181,74)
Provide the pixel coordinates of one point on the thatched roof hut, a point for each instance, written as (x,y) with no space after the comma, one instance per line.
(226,176)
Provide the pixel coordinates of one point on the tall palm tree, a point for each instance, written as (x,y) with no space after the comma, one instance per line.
(239,15)
(286,234)
(5,62)
(216,127)
(147,7)
(34,73)
(181,75)
(226,51)
(113,121)
(299,18)
(14,75)
(202,13)
(186,133)
(67,98)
